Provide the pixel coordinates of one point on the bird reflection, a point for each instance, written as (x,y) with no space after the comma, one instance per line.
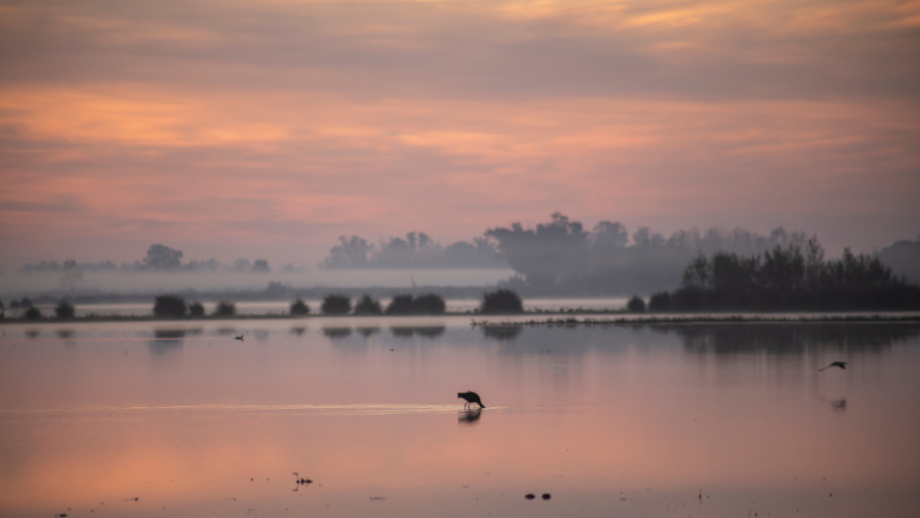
(839,405)
(469,416)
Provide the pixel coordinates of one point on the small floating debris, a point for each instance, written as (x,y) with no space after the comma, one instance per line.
(303,481)
(530,496)
(378,498)
(546,496)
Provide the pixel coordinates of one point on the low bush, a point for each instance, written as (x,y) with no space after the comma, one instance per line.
(169,306)
(32,313)
(400,305)
(336,305)
(636,304)
(64,309)
(429,304)
(368,306)
(225,309)
(299,308)
(196,309)
(501,302)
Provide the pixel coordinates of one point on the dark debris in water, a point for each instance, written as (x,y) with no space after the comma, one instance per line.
(530,496)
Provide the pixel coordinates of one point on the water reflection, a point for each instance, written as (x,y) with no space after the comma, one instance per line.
(502,332)
(469,416)
(166,340)
(367,332)
(224,331)
(839,405)
(786,339)
(337,333)
(33,333)
(407,332)
(299,331)
(65,334)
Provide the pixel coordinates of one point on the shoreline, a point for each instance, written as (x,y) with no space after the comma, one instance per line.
(618,318)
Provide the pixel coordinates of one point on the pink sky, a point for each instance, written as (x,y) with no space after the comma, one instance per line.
(250,129)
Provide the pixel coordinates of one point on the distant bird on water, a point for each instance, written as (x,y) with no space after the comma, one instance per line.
(471,397)
(842,365)
(240,338)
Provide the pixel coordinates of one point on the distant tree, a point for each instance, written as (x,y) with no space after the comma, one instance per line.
(636,304)
(336,305)
(275,289)
(660,301)
(196,309)
(25,302)
(260,266)
(15,304)
(299,308)
(64,309)
(353,252)
(225,309)
(368,306)
(400,305)
(501,302)
(161,257)
(32,313)
(169,306)
(429,304)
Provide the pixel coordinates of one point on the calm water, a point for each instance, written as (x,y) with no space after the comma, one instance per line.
(693,420)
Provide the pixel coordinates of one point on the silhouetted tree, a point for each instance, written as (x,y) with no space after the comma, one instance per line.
(368,306)
(400,305)
(429,304)
(64,309)
(260,266)
(32,313)
(225,309)
(660,301)
(501,302)
(196,309)
(25,302)
(169,306)
(636,304)
(161,257)
(299,308)
(336,305)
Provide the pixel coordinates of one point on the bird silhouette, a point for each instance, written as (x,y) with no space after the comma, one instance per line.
(471,397)
(240,338)
(842,365)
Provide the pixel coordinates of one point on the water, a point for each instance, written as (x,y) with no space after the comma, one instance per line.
(690,420)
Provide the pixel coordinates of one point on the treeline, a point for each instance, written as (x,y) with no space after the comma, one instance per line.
(417,250)
(159,258)
(789,277)
(562,257)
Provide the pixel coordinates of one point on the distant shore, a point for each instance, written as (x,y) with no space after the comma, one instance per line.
(569,318)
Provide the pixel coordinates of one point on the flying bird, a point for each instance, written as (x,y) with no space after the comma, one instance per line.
(471,397)
(240,338)
(842,365)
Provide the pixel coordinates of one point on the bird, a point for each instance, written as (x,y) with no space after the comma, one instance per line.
(842,365)
(240,338)
(471,397)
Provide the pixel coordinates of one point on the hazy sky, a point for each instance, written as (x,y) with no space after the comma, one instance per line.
(265,129)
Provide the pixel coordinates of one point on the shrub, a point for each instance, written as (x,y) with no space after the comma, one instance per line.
(368,306)
(32,313)
(660,301)
(64,309)
(225,309)
(429,304)
(400,305)
(196,309)
(501,301)
(636,304)
(299,308)
(169,306)
(336,305)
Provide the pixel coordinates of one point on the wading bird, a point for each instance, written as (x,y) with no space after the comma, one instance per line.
(240,338)
(471,397)
(842,365)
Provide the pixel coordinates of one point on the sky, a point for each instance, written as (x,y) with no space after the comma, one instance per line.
(237,128)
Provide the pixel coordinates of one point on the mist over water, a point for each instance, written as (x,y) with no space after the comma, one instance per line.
(631,420)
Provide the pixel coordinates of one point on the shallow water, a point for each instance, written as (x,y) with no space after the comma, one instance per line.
(698,420)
